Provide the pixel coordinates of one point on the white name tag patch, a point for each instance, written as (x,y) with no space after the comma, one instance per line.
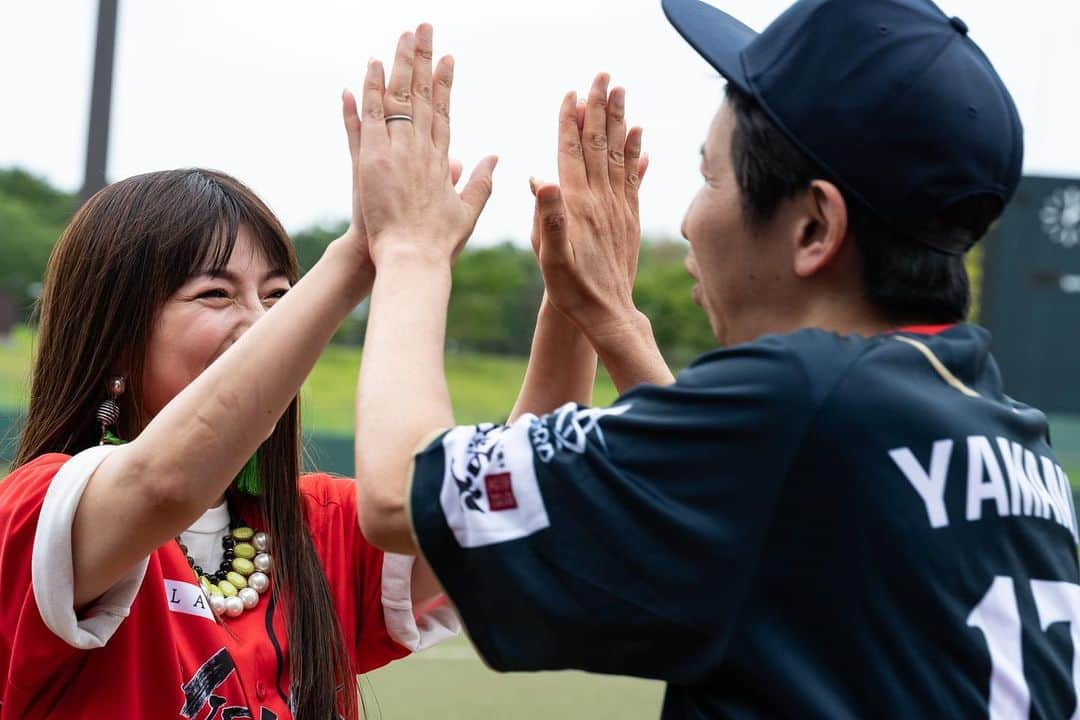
(187,598)
(490,493)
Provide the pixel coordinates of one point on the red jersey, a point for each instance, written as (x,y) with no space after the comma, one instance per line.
(170,657)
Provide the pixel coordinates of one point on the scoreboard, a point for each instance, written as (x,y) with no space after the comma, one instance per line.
(1031,293)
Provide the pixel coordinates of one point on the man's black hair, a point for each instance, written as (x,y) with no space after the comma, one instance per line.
(908,281)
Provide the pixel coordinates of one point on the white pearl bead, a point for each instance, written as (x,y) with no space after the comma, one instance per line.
(249,597)
(217,604)
(234,606)
(261,541)
(262,562)
(260,582)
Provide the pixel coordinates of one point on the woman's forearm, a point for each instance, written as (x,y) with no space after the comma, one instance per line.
(562,366)
(209,430)
(149,490)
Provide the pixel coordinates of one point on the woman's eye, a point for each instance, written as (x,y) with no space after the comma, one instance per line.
(214,293)
(277,294)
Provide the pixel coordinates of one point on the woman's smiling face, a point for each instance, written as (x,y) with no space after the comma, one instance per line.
(206,315)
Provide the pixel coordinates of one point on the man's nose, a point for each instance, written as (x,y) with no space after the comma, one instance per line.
(682,226)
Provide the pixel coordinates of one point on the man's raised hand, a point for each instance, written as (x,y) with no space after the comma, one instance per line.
(589,227)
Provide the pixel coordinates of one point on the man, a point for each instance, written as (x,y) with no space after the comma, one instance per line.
(839,515)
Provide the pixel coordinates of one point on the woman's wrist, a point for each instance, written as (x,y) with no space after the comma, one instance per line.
(559,325)
(344,255)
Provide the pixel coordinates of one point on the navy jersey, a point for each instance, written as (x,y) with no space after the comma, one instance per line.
(807,526)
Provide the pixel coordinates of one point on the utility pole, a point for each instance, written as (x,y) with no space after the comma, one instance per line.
(97,139)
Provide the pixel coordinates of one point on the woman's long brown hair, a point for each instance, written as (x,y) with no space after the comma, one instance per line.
(126,251)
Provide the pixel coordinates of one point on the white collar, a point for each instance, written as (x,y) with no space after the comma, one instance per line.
(213,520)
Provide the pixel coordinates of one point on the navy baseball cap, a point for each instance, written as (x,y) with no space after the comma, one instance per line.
(891,98)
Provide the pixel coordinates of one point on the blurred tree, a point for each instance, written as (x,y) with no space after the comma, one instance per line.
(662,292)
(497,293)
(497,289)
(32,217)
(311,242)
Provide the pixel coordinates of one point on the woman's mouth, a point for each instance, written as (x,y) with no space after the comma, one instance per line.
(695,294)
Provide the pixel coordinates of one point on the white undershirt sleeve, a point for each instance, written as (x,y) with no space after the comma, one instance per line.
(53,575)
(414,631)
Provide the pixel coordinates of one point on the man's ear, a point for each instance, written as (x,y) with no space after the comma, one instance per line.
(823,230)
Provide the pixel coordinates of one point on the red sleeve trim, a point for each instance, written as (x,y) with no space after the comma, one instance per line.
(925,329)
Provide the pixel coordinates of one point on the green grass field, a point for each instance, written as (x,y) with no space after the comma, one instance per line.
(450,682)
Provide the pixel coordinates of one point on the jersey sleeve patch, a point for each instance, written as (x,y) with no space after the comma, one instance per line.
(490,493)
(53,574)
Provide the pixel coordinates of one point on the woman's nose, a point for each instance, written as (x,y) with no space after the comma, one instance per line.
(253,309)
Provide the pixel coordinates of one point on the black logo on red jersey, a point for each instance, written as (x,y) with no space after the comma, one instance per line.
(199,692)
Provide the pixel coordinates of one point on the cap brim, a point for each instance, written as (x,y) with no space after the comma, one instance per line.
(718,37)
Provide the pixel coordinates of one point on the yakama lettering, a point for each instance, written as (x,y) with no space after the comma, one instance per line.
(1022,484)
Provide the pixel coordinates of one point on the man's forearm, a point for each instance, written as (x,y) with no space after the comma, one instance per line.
(403,396)
(562,366)
(630,353)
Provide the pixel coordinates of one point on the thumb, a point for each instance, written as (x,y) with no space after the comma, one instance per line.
(555,248)
(477,191)
(534,238)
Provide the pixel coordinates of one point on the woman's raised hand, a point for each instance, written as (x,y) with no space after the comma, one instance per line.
(404,194)
(589,228)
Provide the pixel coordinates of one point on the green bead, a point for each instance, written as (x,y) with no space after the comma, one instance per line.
(242,566)
(237,580)
(243,533)
(244,550)
(215,590)
(205,584)
(227,588)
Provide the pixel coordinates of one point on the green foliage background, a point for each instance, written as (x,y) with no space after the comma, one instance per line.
(497,289)
(32,216)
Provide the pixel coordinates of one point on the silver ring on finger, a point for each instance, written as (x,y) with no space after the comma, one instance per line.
(391,118)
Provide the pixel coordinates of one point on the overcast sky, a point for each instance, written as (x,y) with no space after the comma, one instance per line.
(252,87)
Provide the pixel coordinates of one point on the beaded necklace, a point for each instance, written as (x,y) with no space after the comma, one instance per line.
(243,575)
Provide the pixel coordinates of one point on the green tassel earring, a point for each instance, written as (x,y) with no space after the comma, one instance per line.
(248,481)
(108,413)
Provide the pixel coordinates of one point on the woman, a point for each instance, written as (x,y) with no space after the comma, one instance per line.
(139,581)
